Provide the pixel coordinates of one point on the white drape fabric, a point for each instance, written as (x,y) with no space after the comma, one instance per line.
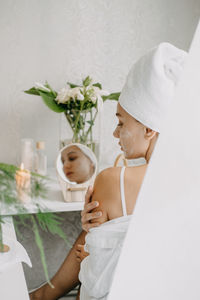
(104,245)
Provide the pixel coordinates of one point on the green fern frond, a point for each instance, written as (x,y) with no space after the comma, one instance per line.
(52,222)
(39,243)
(46,221)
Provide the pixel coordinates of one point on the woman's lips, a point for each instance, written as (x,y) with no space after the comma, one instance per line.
(69,173)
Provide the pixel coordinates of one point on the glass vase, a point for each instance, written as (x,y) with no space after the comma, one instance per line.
(82,127)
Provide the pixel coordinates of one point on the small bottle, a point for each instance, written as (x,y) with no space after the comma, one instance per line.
(40,159)
(27,153)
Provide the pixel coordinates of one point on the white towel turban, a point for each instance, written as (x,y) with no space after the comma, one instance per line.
(87,151)
(151,83)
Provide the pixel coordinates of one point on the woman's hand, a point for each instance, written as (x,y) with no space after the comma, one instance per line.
(87,214)
(80,253)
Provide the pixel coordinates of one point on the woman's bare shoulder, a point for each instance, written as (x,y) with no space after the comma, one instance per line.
(105,189)
(105,181)
(108,173)
(110,176)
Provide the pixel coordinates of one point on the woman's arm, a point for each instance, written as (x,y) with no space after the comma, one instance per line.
(67,276)
(65,279)
(87,214)
(106,193)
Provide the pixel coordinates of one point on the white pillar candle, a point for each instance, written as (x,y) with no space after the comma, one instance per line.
(23,184)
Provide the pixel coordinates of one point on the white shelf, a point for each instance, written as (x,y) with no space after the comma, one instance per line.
(53,203)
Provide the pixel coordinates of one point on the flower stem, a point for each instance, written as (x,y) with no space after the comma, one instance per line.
(69,119)
(90,127)
(76,131)
(1,235)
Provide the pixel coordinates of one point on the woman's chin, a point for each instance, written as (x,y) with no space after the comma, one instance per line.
(126,155)
(129,156)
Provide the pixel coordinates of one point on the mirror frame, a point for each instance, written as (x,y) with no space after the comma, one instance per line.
(59,164)
(72,191)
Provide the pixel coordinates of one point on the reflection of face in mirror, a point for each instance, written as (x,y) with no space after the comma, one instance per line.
(77,166)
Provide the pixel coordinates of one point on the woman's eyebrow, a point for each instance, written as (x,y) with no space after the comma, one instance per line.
(118,115)
(71,152)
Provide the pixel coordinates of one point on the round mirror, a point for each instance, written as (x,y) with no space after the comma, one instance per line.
(76,164)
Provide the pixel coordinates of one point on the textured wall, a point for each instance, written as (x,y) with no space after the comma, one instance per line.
(66,40)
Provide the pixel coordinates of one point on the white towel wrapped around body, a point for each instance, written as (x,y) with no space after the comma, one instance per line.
(104,244)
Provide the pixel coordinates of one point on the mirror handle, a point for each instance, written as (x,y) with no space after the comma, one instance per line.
(74,189)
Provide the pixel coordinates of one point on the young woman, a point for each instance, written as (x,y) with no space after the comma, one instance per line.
(148,90)
(77,165)
(116,190)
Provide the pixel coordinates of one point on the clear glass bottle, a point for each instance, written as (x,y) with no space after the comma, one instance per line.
(27,153)
(40,159)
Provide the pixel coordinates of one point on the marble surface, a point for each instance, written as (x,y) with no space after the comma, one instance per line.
(55,248)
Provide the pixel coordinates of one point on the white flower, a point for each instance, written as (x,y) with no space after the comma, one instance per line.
(93,98)
(80,97)
(99,103)
(69,93)
(96,96)
(100,92)
(41,87)
(75,93)
(63,96)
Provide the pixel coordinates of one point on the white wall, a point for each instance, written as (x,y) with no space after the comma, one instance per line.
(65,40)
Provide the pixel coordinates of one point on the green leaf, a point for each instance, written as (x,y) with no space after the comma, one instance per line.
(87,81)
(54,93)
(51,103)
(52,222)
(90,122)
(72,85)
(39,243)
(46,221)
(113,96)
(98,85)
(32,91)
(8,168)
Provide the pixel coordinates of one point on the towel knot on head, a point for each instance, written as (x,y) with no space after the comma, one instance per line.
(173,69)
(151,83)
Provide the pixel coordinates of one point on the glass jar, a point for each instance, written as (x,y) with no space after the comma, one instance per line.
(81,127)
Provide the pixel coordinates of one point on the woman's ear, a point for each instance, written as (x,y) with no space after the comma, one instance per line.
(149,133)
